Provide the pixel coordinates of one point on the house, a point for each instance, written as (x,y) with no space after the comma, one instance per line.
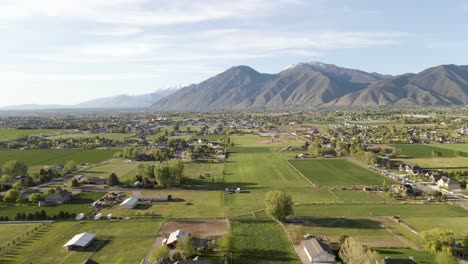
(434,176)
(59,197)
(318,252)
(413,169)
(175,236)
(399,261)
(129,203)
(80,241)
(449,183)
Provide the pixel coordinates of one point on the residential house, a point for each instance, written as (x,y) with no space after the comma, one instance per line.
(175,236)
(449,183)
(59,197)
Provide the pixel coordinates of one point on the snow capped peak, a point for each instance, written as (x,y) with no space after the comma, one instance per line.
(312,63)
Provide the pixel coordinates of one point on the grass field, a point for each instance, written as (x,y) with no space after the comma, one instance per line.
(123,170)
(116,242)
(112,136)
(421,257)
(425,151)
(261,242)
(360,196)
(12,231)
(364,210)
(6,134)
(53,157)
(457,224)
(79,204)
(336,172)
(457,162)
(187,204)
(368,231)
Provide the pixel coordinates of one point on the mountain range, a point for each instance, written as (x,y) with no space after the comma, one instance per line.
(303,85)
(317,84)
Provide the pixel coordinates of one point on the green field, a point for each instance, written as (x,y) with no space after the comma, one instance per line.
(79,204)
(112,136)
(12,231)
(425,151)
(361,210)
(336,172)
(123,170)
(53,157)
(123,242)
(186,204)
(457,224)
(349,196)
(421,257)
(6,134)
(261,242)
(442,163)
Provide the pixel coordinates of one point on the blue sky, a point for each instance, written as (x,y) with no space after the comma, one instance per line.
(69,51)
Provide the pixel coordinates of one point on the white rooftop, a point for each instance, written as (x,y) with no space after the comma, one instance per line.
(130,201)
(81,240)
(174,236)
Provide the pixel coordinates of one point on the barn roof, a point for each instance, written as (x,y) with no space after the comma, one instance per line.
(174,236)
(130,201)
(81,240)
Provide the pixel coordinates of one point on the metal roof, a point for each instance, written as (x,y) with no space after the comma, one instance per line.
(81,240)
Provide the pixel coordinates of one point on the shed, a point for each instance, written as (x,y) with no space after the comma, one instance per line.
(129,203)
(318,252)
(98,216)
(80,241)
(80,216)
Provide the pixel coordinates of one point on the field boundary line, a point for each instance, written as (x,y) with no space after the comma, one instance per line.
(298,171)
(334,195)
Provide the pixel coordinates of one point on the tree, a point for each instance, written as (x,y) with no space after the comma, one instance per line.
(11,196)
(445,258)
(49,192)
(146,170)
(352,252)
(186,246)
(437,240)
(29,181)
(36,197)
(177,170)
(160,253)
(70,166)
(226,244)
(164,175)
(15,168)
(75,183)
(113,180)
(17,186)
(278,205)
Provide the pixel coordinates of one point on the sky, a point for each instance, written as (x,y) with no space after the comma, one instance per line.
(70,51)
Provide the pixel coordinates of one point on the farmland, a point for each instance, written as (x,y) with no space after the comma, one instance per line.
(123,170)
(261,242)
(442,163)
(79,204)
(112,136)
(6,134)
(13,231)
(53,157)
(336,172)
(425,151)
(453,223)
(111,244)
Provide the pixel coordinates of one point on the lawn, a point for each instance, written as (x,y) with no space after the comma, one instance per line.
(123,170)
(421,257)
(116,242)
(12,231)
(368,231)
(261,242)
(364,210)
(53,157)
(185,204)
(425,151)
(111,136)
(336,172)
(350,196)
(6,134)
(439,163)
(79,204)
(457,224)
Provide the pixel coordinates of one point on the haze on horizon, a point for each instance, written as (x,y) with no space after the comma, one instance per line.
(67,52)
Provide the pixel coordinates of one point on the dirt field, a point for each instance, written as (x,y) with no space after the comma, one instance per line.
(209,229)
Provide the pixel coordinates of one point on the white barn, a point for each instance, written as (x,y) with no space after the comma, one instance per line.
(174,236)
(129,203)
(80,241)
(318,252)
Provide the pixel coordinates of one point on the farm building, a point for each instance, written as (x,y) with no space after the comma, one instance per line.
(174,236)
(318,252)
(59,197)
(80,241)
(129,203)
(153,198)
